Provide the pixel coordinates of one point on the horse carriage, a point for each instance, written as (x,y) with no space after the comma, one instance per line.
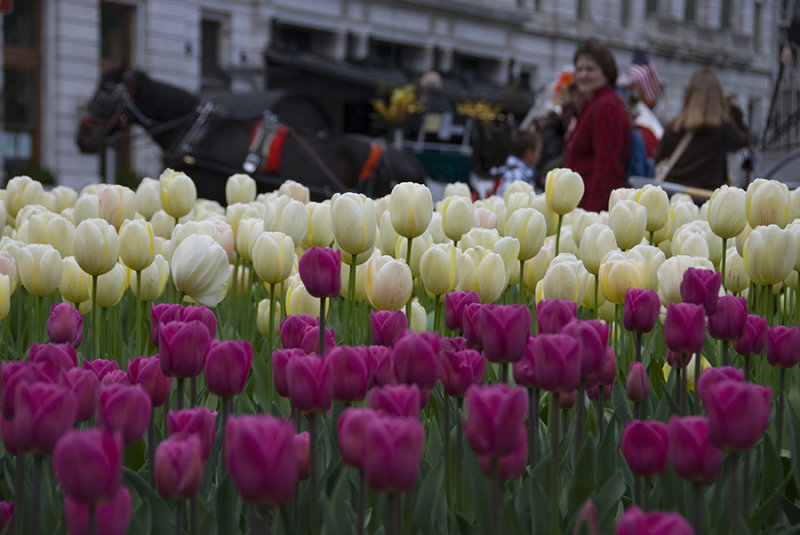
(274,136)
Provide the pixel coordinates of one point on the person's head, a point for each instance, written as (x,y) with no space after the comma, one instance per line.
(704,103)
(526,145)
(430,81)
(595,67)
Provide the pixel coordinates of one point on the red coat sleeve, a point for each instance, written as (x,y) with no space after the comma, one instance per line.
(610,138)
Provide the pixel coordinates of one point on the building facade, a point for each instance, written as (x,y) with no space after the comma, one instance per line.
(55,50)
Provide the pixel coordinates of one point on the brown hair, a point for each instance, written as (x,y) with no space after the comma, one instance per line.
(704,103)
(600,54)
(522,140)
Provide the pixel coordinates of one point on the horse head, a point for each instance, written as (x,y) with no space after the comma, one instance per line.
(108,110)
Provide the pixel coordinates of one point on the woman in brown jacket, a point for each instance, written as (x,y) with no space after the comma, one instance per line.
(717,127)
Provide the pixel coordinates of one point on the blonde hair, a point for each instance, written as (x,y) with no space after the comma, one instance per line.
(704,104)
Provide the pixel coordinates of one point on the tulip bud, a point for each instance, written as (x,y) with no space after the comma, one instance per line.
(670,275)
(65,325)
(635,522)
(111,286)
(415,359)
(136,244)
(60,234)
(401,400)
(39,268)
(354,222)
(457,216)
(495,418)
(320,227)
(738,414)
(458,189)
(644,445)
(596,242)
(438,268)
(198,421)
(736,278)
(310,383)
(116,204)
(227,366)
(684,327)
(88,465)
(410,208)
(529,227)
(712,376)
(111,517)
(628,220)
(690,450)
(553,314)
(783,346)
(349,371)
(767,203)
(85,387)
(565,279)
(392,453)
(75,285)
(146,372)
(637,386)
(619,274)
(179,467)
(148,197)
(43,412)
(125,409)
(351,430)
(300,302)
(557,361)
(388,282)
(183,347)
(754,336)
(769,255)
(200,269)
(101,367)
(386,326)
(563,190)
(153,280)
(96,246)
(454,306)
(656,202)
(460,369)
(320,270)
(240,188)
(178,193)
(726,211)
(505,330)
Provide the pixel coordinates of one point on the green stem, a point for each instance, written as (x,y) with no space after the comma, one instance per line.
(580,417)
(139,315)
(601,411)
(270,334)
(312,476)
(351,300)
(321,345)
(437,314)
(19,494)
(779,411)
(92,520)
(722,263)
(725,346)
(446,433)
(41,323)
(555,514)
(521,294)
(459,449)
(733,499)
(362,491)
(496,499)
(179,394)
(652,237)
(697,508)
(558,233)
(179,518)
(533,424)
(151,445)
(95,320)
(36,504)
(408,263)
(596,311)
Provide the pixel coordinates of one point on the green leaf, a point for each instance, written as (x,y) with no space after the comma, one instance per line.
(428,510)
(582,483)
(607,501)
(793,428)
(337,514)
(161,513)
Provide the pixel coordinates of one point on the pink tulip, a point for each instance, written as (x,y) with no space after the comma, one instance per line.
(293,328)
(65,325)
(645,445)
(783,346)
(302,442)
(416,359)
(567,400)
(227,366)
(609,370)
(504,331)
(738,414)
(495,418)
(754,338)
(101,367)
(261,457)
(280,361)
(88,464)
(162,314)
(380,360)
(198,421)
(146,372)
(386,325)
(592,337)
(310,343)
(310,383)
(712,376)
(126,409)
(43,412)
(86,388)
(690,450)
(14,373)
(470,324)
(685,327)
(452,343)
(635,522)
(351,429)
(558,363)
(637,386)
(524,370)
(552,315)
(593,393)
(640,311)
(509,466)
(111,517)
(454,304)
(460,369)
(116,377)
(179,466)
(202,314)
(182,348)
(392,453)
(349,371)
(701,287)
(59,357)
(728,321)
(10,440)
(7,517)
(320,270)
(679,360)
(396,400)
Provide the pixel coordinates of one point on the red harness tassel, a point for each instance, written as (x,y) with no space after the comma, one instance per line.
(273,163)
(373,158)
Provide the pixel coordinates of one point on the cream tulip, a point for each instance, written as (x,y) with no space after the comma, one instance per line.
(111,286)
(580,220)
(479,237)
(116,204)
(5,295)
(529,227)
(508,248)
(273,256)
(794,229)
(565,278)
(8,267)
(418,322)
(490,274)
(665,232)
(650,258)
(388,282)
(153,279)
(536,267)
(148,197)
(320,227)
(387,237)
(39,268)
(86,207)
(249,230)
(621,194)
(300,302)
(767,203)
(540,203)
(63,197)
(286,215)
(770,253)
(563,190)
(361,281)
(95,246)
(234,213)
(458,215)
(436,230)
(178,193)
(136,244)
(32,229)
(438,268)
(240,188)
(457,189)
(163,224)
(75,285)
(656,201)
(736,278)
(517,201)
(21,191)
(597,241)
(688,242)
(628,220)
(262,317)
(60,233)
(200,269)
(484,218)
(354,223)
(518,186)
(295,190)
(411,208)
(794,204)
(727,213)
(618,274)
(419,245)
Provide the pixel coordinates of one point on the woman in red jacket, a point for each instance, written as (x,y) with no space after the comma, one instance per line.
(597,148)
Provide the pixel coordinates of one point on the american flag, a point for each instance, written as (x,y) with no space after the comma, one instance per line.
(644,72)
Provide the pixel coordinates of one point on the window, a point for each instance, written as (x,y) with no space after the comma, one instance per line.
(757,27)
(291,38)
(725,15)
(625,13)
(651,7)
(385,54)
(21,69)
(213,75)
(580,9)
(690,11)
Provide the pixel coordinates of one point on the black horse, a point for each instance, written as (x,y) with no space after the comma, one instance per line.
(211,139)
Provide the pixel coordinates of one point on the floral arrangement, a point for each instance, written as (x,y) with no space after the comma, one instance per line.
(402,104)
(478,109)
(508,365)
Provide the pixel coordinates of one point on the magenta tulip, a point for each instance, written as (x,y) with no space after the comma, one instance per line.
(588,521)
(202,314)
(261,457)
(7,517)
(454,304)
(553,314)
(179,468)
(65,325)
(754,339)
(310,342)
(162,314)
(386,325)
(685,327)
(182,348)
(350,373)
(728,322)
(495,418)
(293,329)
(783,346)
(396,400)
(712,376)
(14,373)
(558,363)
(470,324)
(302,442)
(592,337)
(645,445)
(42,413)
(101,367)
(609,370)
(392,453)
(678,359)
(10,440)
(146,372)
(310,383)
(509,466)
(320,270)
(126,409)
(227,366)
(88,465)
(280,360)
(351,429)
(111,517)
(86,388)
(60,357)
(524,370)
(690,450)
(567,400)
(637,385)
(738,414)
(460,369)
(593,393)
(116,377)
(416,359)
(701,287)
(635,522)
(504,331)
(640,311)
(198,421)
(381,361)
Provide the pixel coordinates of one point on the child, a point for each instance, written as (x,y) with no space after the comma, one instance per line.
(526,149)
